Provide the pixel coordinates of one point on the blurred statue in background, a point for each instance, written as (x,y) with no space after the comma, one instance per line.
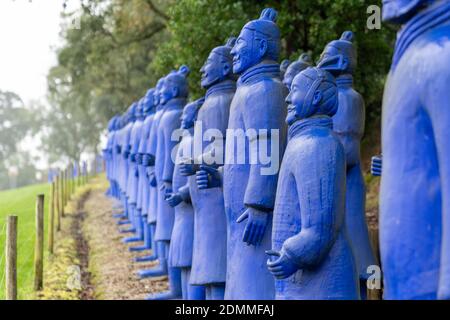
(340,58)
(415,186)
(312,257)
(294,68)
(181,243)
(173,95)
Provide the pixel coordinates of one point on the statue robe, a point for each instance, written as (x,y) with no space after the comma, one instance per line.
(144,187)
(180,253)
(210,236)
(152,146)
(133,175)
(164,165)
(415,185)
(309,215)
(348,124)
(258,104)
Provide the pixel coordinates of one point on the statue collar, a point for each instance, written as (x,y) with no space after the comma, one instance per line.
(418,25)
(298,127)
(175,103)
(344,81)
(264,69)
(220,87)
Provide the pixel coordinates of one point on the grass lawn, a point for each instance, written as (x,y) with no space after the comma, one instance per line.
(21,202)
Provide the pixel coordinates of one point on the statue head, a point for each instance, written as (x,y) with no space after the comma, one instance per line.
(157,92)
(339,56)
(140,109)
(112,124)
(149,104)
(313,92)
(303,62)
(131,113)
(175,85)
(219,65)
(190,112)
(283,66)
(400,11)
(259,40)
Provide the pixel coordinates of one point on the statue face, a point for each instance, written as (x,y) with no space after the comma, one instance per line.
(400,11)
(188,117)
(168,92)
(334,60)
(247,51)
(290,74)
(157,92)
(214,70)
(298,107)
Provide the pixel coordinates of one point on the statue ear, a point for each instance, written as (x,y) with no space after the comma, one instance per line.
(175,91)
(317,98)
(262,47)
(226,69)
(344,63)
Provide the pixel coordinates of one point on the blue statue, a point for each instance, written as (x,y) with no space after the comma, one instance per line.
(151,202)
(415,186)
(123,150)
(181,243)
(294,68)
(312,255)
(173,95)
(108,156)
(143,185)
(210,237)
(376,166)
(249,185)
(340,58)
(133,175)
(283,67)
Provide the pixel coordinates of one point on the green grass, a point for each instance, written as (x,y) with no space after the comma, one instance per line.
(21,202)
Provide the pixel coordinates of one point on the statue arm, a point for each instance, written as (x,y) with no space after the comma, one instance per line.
(170,147)
(265,111)
(437,102)
(317,188)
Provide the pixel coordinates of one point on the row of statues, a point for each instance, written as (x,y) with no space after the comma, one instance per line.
(223,224)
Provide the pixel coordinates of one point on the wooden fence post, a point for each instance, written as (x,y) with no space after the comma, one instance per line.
(39,244)
(62,189)
(57,203)
(51,224)
(11,258)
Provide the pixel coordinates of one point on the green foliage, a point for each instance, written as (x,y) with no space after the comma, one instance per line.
(306,26)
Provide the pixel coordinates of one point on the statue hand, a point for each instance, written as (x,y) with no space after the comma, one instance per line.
(146,160)
(152,179)
(173,199)
(188,168)
(376,166)
(282,267)
(255,229)
(166,187)
(132,157)
(139,158)
(126,154)
(208,177)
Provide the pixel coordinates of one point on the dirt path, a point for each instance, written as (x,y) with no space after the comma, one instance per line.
(111,267)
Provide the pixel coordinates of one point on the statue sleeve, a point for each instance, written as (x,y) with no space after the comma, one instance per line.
(170,125)
(143,139)
(437,102)
(264,120)
(320,181)
(152,140)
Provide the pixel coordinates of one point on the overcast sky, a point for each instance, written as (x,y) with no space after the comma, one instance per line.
(29,33)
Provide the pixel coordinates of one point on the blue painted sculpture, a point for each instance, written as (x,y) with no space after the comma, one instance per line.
(143,185)
(123,151)
(312,257)
(294,68)
(340,58)
(210,240)
(415,186)
(148,160)
(108,156)
(376,166)
(249,186)
(173,97)
(182,240)
(133,175)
